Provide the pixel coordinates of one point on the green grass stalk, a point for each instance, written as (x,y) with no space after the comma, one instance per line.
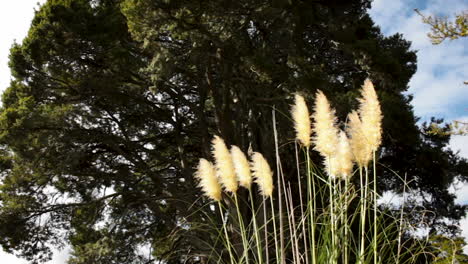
(274,230)
(375,210)
(332,213)
(346,193)
(362,215)
(228,241)
(256,231)
(243,231)
(280,199)
(303,217)
(265,229)
(312,206)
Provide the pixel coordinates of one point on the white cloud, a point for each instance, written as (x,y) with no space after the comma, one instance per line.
(10,259)
(437,85)
(59,257)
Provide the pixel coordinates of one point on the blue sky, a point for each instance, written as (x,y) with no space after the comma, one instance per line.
(437,86)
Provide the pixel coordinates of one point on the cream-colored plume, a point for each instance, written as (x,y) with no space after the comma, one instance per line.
(300,114)
(206,173)
(241,166)
(263,174)
(332,165)
(224,165)
(340,164)
(345,156)
(361,150)
(371,115)
(326,133)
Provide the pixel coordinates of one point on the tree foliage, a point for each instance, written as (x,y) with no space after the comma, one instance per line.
(113,102)
(442,28)
(448,250)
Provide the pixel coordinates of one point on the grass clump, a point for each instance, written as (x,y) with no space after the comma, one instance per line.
(336,220)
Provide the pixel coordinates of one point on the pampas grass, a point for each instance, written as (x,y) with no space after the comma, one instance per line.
(371,115)
(361,150)
(262,174)
(323,234)
(224,165)
(344,156)
(242,167)
(300,115)
(326,133)
(206,174)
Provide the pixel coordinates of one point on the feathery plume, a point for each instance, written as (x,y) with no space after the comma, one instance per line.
(340,164)
(206,173)
(332,166)
(224,165)
(326,134)
(371,115)
(344,156)
(300,114)
(360,148)
(263,174)
(241,166)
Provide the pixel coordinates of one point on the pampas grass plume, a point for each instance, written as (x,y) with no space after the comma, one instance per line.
(360,148)
(300,114)
(206,173)
(224,165)
(371,115)
(241,166)
(263,174)
(326,133)
(344,155)
(340,164)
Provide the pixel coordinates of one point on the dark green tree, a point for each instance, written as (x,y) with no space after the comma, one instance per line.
(113,102)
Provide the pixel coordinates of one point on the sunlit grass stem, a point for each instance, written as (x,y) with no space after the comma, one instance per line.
(312,206)
(228,241)
(256,231)
(277,252)
(332,213)
(303,217)
(362,190)
(375,210)
(243,231)
(346,196)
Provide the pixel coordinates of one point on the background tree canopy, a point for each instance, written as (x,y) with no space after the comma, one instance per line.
(113,102)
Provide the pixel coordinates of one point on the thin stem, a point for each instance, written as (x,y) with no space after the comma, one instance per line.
(375,211)
(346,219)
(363,216)
(274,230)
(303,218)
(265,228)
(256,232)
(295,242)
(226,234)
(400,228)
(242,230)
(332,212)
(280,197)
(312,204)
